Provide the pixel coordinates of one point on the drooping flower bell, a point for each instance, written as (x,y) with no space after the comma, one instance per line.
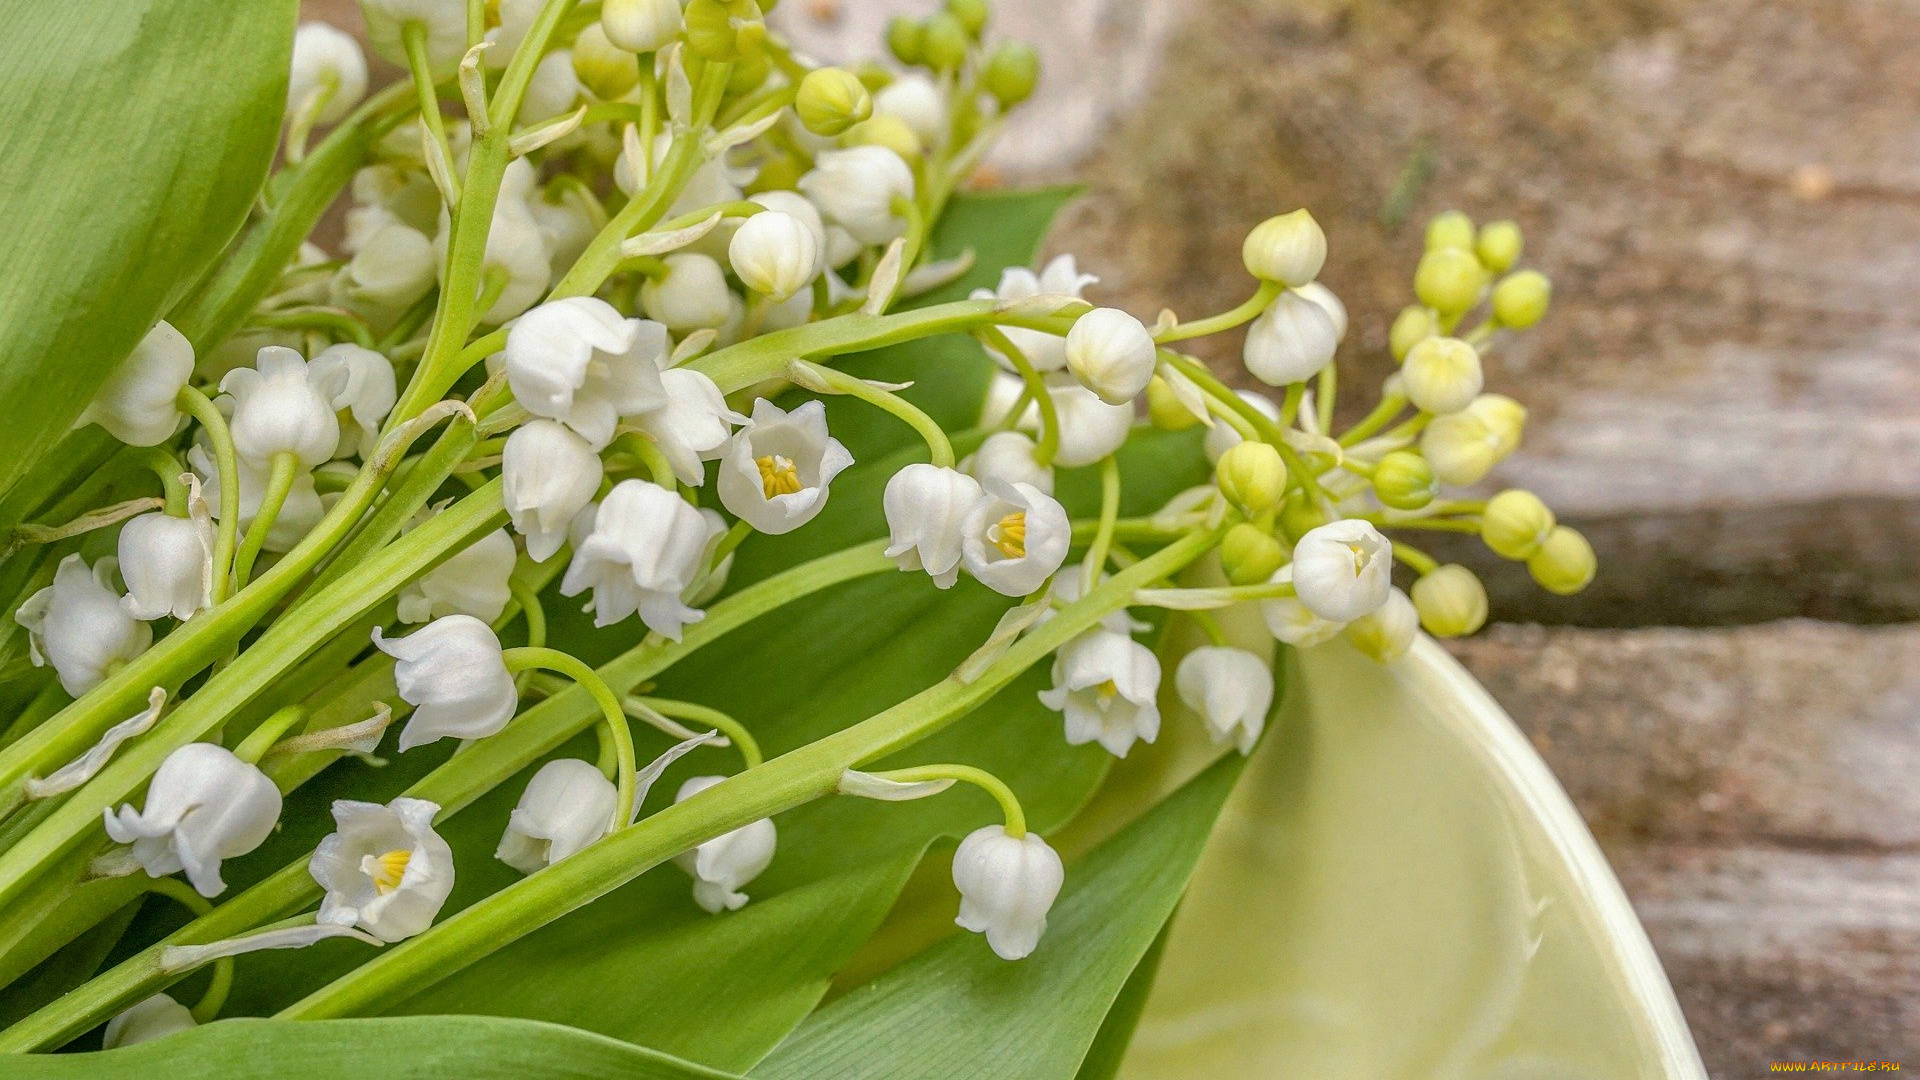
(568,805)
(1343,570)
(384,870)
(1014,538)
(1107,687)
(1111,354)
(775,253)
(79,625)
(1387,632)
(694,424)
(1007,456)
(1291,621)
(1231,690)
(775,473)
(167,561)
(326,62)
(645,546)
(855,188)
(926,507)
(691,295)
(283,404)
(548,474)
(578,361)
(1007,885)
(724,865)
(1291,341)
(204,805)
(452,672)
(153,1018)
(137,404)
(1060,277)
(472,581)
(1090,428)
(365,394)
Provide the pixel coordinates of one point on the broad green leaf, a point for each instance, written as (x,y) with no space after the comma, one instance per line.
(399,1048)
(1400,889)
(958,1012)
(137,133)
(1116,1031)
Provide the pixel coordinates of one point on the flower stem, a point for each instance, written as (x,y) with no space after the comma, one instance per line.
(1036,390)
(286,467)
(261,739)
(1248,309)
(529,657)
(726,725)
(181,893)
(1016,818)
(830,381)
(220,437)
(1096,559)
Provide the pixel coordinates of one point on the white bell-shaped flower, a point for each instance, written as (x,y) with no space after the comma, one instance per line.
(283,404)
(516,248)
(445,22)
(724,865)
(391,269)
(385,870)
(453,674)
(691,295)
(1007,885)
(1007,456)
(516,19)
(1329,303)
(1387,632)
(301,511)
(916,101)
(548,474)
(796,206)
(472,581)
(1090,429)
(1222,437)
(1461,447)
(365,394)
(1060,277)
(79,625)
(553,89)
(326,61)
(167,562)
(926,507)
(1107,686)
(203,805)
(580,362)
(1291,621)
(1231,690)
(151,1019)
(855,188)
(138,403)
(1343,570)
(1111,354)
(646,545)
(1014,538)
(774,253)
(567,805)
(775,473)
(1291,341)
(694,424)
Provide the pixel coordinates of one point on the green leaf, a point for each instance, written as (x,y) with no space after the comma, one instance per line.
(1116,1031)
(958,1012)
(412,1048)
(137,133)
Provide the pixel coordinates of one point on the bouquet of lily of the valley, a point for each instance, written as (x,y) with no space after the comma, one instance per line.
(661,588)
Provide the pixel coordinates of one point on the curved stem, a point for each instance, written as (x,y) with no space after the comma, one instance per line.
(1421,562)
(1382,415)
(413,37)
(531,609)
(726,725)
(1245,311)
(1210,626)
(167,468)
(1049,442)
(208,1007)
(220,437)
(262,739)
(341,324)
(619,735)
(830,381)
(1016,818)
(286,468)
(1096,559)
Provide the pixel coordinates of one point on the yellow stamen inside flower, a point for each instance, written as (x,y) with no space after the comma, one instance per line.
(1359,558)
(387,869)
(1009,534)
(778,476)
(1107,690)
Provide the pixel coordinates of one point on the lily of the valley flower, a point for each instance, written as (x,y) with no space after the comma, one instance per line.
(204,805)
(365,395)
(691,295)
(391,268)
(694,424)
(167,561)
(151,1019)
(1046,352)
(1090,428)
(283,404)
(644,547)
(385,870)
(1291,621)
(724,865)
(472,581)
(1231,689)
(641,26)
(79,625)
(452,672)
(1343,570)
(775,253)
(329,61)
(1007,456)
(301,511)
(1111,354)
(548,474)
(578,361)
(1107,686)
(926,507)
(1014,538)
(567,805)
(445,22)
(775,473)
(1387,632)
(917,102)
(855,188)
(1007,885)
(1291,341)
(137,403)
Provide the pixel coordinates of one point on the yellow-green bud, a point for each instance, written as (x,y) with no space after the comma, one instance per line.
(872,76)
(1289,249)
(749,71)
(944,42)
(1565,563)
(1404,481)
(720,30)
(601,66)
(884,130)
(1299,516)
(1449,280)
(1386,633)
(1504,417)
(1412,326)
(1516,524)
(778,172)
(641,26)
(971,13)
(1451,229)
(831,100)
(1251,476)
(1520,300)
(1011,73)
(1249,555)
(1165,408)
(1451,601)
(1442,375)
(905,37)
(1498,245)
(1460,448)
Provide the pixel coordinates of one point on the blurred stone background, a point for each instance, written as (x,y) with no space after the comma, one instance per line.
(1725,397)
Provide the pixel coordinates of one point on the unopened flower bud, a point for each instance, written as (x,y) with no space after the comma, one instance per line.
(1498,245)
(1007,456)
(152,1018)
(1291,341)
(691,295)
(1165,409)
(601,66)
(1450,229)
(1412,326)
(641,26)
(1299,516)
(137,404)
(1449,280)
(1111,354)
(1250,555)
(1516,523)
(722,30)
(1231,689)
(831,100)
(1386,634)
(1343,570)
(1460,447)
(775,253)
(1505,418)
(726,864)
(1012,72)
(1289,249)
(944,42)
(905,38)
(1565,563)
(855,189)
(1442,375)
(888,132)
(971,13)
(1404,480)
(327,61)
(445,23)
(1520,300)
(1451,601)
(918,102)
(1251,476)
